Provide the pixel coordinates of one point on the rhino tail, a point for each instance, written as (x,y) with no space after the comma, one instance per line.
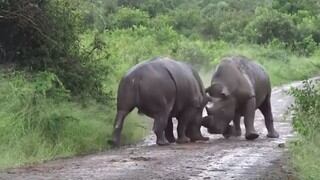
(136,86)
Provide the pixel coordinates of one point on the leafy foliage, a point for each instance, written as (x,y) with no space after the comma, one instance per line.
(270,24)
(306,149)
(44,35)
(306,109)
(61,60)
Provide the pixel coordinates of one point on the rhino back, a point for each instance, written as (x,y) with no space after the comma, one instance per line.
(190,90)
(147,86)
(243,78)
(257,76)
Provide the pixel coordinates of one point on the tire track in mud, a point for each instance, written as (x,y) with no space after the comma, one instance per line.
(219,158)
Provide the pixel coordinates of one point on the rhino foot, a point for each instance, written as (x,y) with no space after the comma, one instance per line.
(273,134)
(237,133)
(113,143)
(183,140)
(162,142)
(171,139)
(252,136)
(230,131)
(199,138)
(226,136)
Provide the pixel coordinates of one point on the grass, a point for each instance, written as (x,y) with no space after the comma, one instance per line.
(305,151)
(38,121)
(34,127)
(305,158)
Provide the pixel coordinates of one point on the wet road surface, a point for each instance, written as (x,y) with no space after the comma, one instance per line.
(219,158)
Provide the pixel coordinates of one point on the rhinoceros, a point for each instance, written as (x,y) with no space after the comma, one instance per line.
(162,88)
(238,88)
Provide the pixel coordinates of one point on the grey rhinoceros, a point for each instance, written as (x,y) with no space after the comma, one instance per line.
(163,88)
(239,87)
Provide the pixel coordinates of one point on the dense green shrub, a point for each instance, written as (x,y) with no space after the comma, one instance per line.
(306,109)
(293,6)
(43,35)
(39,122)
(223,20)
(127,18)
(32,32)
(270,24)
(305,149)
(186,21)
(153,7)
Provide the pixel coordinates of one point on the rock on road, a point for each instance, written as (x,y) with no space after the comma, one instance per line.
(219,158)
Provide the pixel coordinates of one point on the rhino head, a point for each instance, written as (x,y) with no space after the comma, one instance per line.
(220,111)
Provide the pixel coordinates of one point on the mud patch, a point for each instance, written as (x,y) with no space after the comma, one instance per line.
(141,158)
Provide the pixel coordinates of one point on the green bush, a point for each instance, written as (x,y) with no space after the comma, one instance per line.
(127,18)
(194,53)
(186,21)
(270,24)
(306,109)
(306,149)
(39,122)
(224,20)
(44,36)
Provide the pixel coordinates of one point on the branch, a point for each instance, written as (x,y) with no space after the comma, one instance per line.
(34,25)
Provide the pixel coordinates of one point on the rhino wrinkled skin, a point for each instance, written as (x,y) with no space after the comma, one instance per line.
(238,88)
(163,88)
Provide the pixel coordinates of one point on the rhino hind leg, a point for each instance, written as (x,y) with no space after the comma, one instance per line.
(265,109)
(169,131)
(181,129)
(160,124)
(182,138)
(193,132)
(118,124)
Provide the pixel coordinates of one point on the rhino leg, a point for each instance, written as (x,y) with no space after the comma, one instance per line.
(250,107)
(182,127)
(118,124)
(230,131)
(265,109)
(234,130)
(159,126)
(194,133)
(236,123)
(169,131)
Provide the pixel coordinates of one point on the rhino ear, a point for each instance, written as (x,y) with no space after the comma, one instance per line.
(218,90)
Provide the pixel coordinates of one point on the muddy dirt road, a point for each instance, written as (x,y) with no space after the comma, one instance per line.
(220,158)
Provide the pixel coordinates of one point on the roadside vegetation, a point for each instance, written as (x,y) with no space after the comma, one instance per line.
(305,151)
(61,60)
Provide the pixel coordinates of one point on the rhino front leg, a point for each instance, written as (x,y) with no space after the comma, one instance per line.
(236,123)
(249,114)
